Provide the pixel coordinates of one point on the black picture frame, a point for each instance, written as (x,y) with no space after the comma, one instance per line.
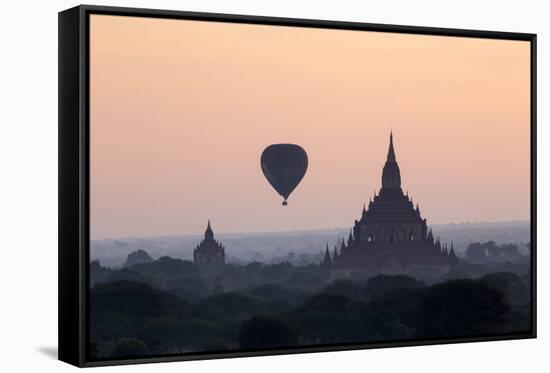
(74,204)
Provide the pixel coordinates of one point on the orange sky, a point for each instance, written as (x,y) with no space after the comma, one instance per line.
(181,111)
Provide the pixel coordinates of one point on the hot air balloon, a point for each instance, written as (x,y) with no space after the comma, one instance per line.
(284,166)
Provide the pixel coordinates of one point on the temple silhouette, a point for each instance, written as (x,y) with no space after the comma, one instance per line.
(390,236)
(209,253)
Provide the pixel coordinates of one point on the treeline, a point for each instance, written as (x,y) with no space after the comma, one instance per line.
(132,318)
(185,279)
(491,252)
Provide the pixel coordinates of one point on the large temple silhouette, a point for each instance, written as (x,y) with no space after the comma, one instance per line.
(390,236)
(209,253)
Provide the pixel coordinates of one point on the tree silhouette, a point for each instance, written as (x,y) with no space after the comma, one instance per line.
(129,347)
(462,308)
(264,332)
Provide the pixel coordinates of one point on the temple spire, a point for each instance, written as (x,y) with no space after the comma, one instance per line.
(430,236)
(391,152)
(327,259)
(209,233)
(452,252)
(391,177)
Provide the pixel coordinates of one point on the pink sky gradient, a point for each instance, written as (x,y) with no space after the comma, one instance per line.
(181,111)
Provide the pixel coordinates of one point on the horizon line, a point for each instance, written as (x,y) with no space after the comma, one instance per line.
(295,230)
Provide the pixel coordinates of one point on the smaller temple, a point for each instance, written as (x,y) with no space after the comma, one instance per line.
(326,263)
(209,253)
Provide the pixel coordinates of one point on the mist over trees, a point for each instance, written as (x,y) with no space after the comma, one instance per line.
(487,252)
(138,256)
(170,305)
(299,247)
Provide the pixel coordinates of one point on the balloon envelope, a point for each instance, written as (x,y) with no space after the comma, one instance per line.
(284,166)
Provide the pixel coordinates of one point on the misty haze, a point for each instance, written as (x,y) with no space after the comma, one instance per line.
(300,247)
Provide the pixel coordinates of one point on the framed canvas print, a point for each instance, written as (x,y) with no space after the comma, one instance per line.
(234,186)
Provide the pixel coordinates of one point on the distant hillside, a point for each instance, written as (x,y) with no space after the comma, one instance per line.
(274,246)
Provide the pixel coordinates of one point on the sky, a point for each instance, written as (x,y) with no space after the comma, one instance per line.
(180,112)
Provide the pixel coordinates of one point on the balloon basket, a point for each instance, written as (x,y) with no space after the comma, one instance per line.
(285,203)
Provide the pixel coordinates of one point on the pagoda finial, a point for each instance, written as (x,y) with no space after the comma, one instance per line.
(209,233)
(326,259)
(391,176)
(452,253)
(391,152)
(364,209)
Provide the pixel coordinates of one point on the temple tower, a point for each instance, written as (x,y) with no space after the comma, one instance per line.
(209,253)
(391,176)
(391,234)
